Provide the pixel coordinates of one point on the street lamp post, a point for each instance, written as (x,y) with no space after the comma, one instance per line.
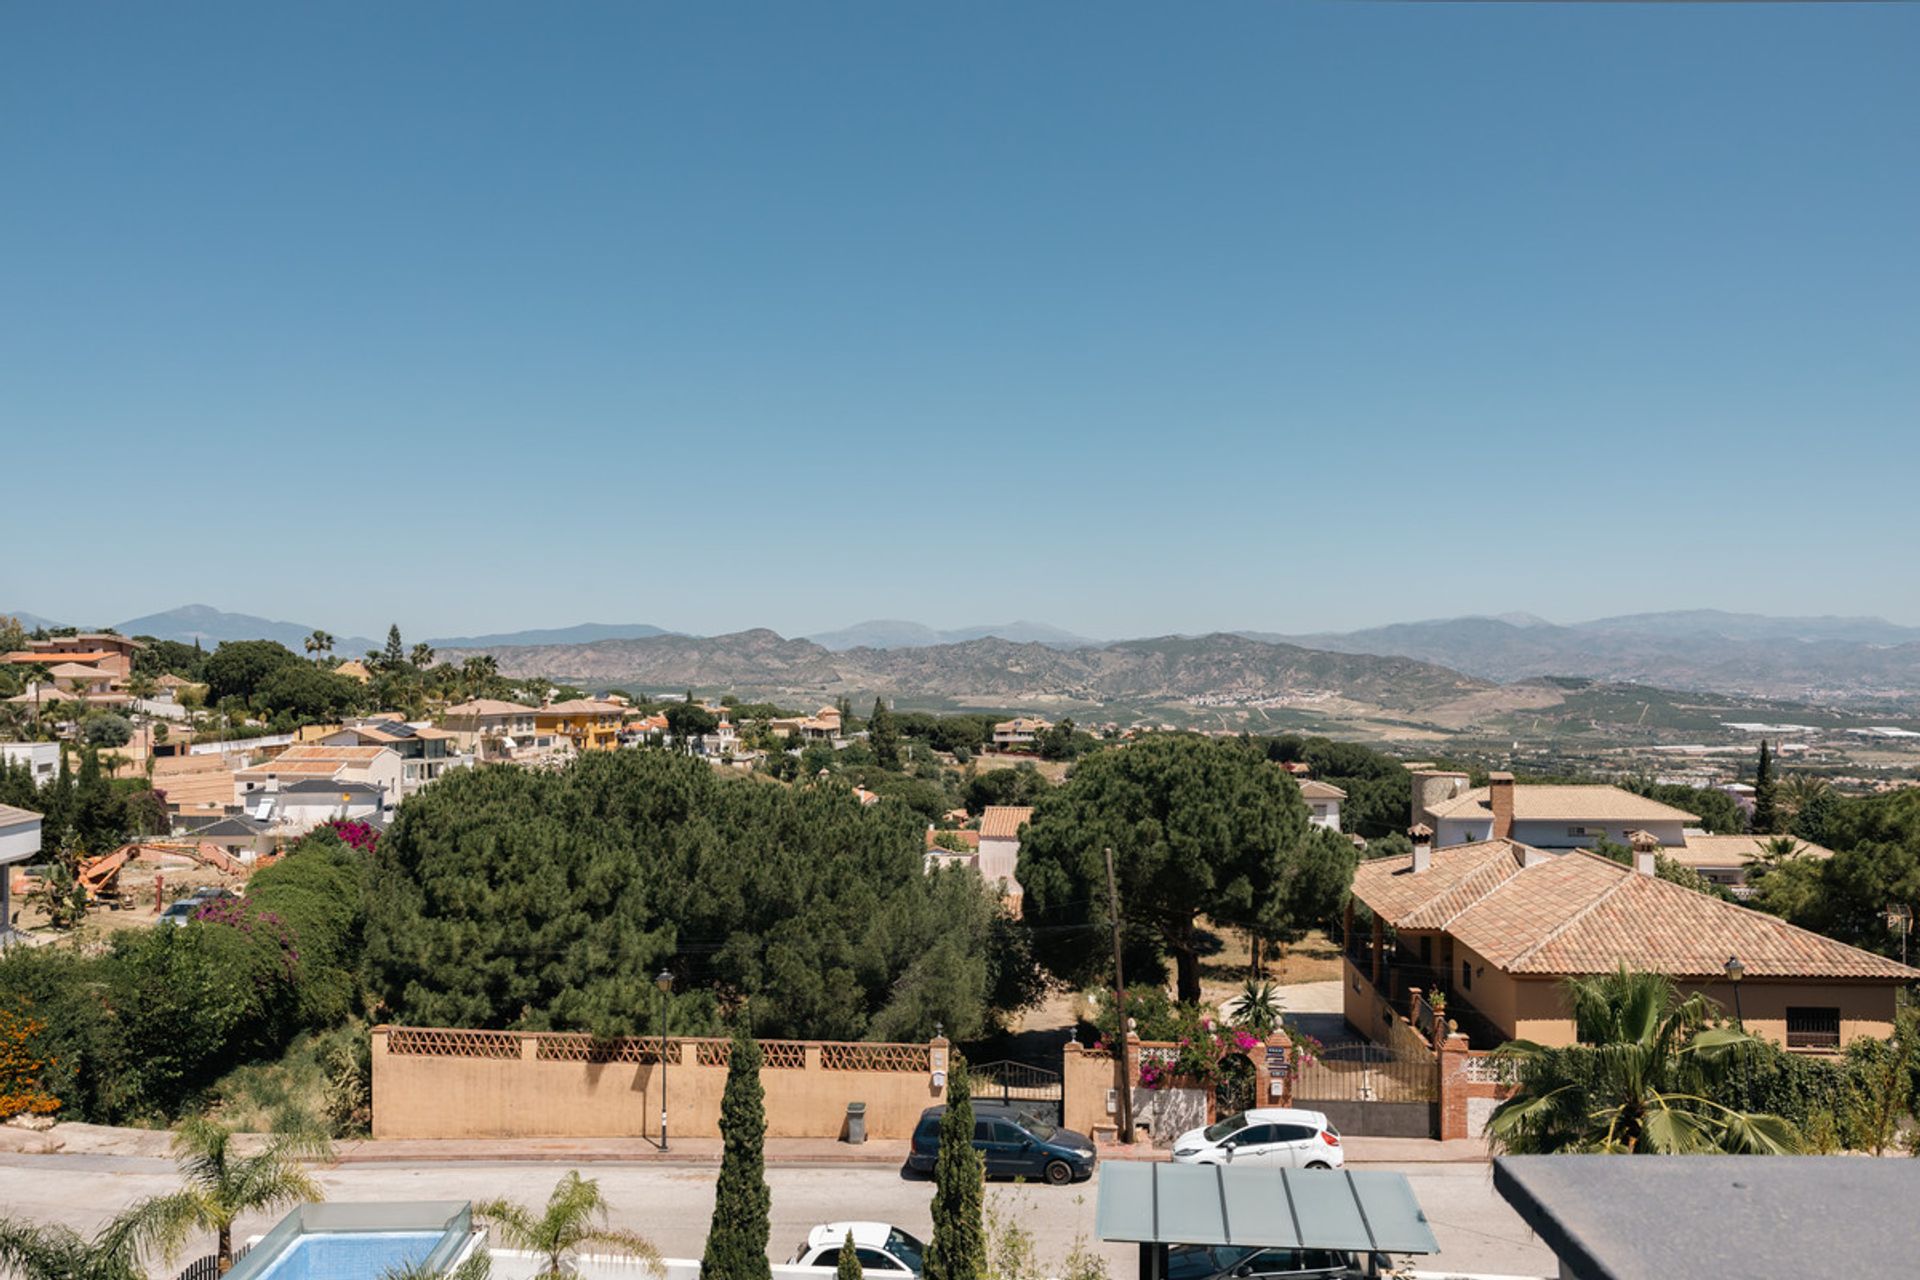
(1735,972)
(665,982)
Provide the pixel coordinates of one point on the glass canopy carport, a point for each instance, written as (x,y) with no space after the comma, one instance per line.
(1158,1205)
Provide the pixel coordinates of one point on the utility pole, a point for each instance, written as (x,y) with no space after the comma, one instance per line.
(1122,1074)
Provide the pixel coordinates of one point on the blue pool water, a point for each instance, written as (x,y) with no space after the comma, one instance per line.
(350,1255)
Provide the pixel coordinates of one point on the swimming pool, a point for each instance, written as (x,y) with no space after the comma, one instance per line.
(355,1255)
(358,1241)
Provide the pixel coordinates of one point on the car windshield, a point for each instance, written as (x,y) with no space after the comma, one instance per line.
(907,1249)
(1040,1129)
(1203,1261)
(1232,1124)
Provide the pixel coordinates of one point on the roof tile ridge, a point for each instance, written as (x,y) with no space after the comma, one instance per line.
(1582,913)
(1482,866)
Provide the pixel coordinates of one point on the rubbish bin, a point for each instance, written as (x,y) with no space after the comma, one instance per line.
(856,1122)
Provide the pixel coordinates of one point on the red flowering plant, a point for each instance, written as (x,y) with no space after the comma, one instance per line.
(363,836)
(264,928)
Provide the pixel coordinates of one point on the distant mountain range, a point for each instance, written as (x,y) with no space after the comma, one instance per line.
(888,633)
(1814,658)
(1827,660)
(990,671)
(585,633)
(209,626)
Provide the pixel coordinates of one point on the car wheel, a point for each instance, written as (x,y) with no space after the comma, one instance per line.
(1059,1173)
(1319,1164)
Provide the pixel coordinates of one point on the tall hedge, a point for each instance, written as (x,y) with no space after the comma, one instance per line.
(137,1032)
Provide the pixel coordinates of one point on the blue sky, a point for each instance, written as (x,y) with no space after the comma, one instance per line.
(1134,319)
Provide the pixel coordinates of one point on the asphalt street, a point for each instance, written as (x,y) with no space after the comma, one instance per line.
(671,1204)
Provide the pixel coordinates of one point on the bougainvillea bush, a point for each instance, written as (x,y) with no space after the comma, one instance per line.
(360,836)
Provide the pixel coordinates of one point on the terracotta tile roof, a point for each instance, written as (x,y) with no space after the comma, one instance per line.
(1552,803)
(582,707)
(1003,821)
(49,657)
(489,707)
(1579,913)
(1732,851)
(1458,876)
(971,839)
(321,751)
(1320,790)
(294,768)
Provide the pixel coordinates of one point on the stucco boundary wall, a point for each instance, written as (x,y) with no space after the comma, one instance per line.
(1088,1098)
(431,1082)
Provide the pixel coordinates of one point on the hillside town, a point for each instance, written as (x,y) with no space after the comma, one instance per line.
(1391,956)
(751,641)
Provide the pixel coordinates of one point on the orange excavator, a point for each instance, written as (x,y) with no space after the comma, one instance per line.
(100,876)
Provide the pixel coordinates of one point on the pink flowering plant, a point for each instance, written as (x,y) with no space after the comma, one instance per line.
(263,928)
(362,836)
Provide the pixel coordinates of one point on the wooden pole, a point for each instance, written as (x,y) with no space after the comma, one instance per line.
(1122,1076)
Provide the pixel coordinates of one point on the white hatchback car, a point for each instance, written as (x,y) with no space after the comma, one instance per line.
(1273,1137)
(881,1248)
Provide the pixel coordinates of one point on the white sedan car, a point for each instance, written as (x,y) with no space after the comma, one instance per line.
(1273,1137)
(880,1247)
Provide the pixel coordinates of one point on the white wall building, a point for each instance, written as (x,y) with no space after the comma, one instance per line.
(41,758)
(19,841)
(1323,803)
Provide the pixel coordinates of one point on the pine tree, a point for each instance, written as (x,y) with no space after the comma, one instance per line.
(737,1240)
(1766,815)
(849,1264)
(396,652)
(959,1247)
(883,737)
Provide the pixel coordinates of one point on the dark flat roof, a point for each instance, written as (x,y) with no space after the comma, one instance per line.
(1755,1217)
(1157,1203)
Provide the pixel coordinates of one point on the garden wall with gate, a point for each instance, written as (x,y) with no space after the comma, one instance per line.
(442,1083)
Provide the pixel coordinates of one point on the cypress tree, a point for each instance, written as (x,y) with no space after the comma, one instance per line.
(883,737)
(959,1247)
(1766,816)
(737,1240)
(849,1265)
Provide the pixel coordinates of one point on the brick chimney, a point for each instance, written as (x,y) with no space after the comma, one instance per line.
(1422,836)
(1500,800)
(1646,850)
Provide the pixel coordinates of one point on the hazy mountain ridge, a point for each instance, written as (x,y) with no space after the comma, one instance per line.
(899,633)
(1823,658)
(581,633)
(210,626)
(993,671)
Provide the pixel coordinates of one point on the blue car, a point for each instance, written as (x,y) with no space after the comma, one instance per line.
(1014,1144)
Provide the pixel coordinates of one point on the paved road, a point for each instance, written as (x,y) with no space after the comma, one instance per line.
(672,1203)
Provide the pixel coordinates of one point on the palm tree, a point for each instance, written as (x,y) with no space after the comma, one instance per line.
(478,1266)
(222,1185)
(31,1251)
(1641,1081)
(422,655)
(576,1215)
(319,644)
(1797,791)
(1775,850)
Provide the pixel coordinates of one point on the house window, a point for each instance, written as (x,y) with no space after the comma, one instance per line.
(1811,1027)
(1466,975)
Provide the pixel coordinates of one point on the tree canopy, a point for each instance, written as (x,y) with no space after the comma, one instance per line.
(514,898)
(1196,825)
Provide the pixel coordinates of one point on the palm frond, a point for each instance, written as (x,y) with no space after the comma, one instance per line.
(514,1222)
(630,1243)
(164,1223)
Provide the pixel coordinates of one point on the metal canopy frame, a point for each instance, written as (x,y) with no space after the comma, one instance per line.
(1157,1205)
